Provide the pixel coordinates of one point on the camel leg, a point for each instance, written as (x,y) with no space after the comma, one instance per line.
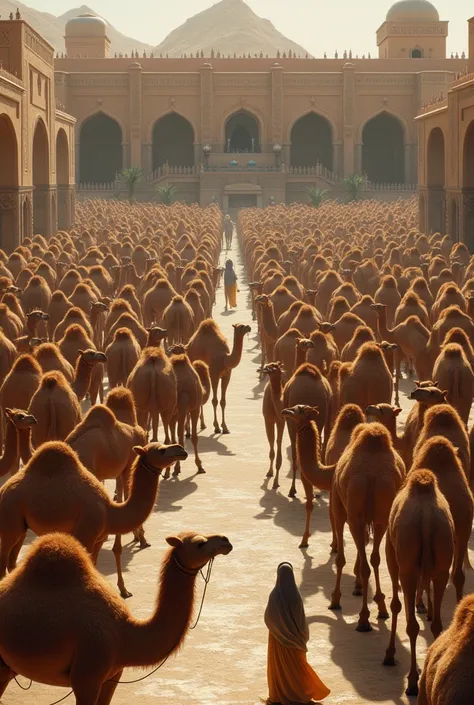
(358,533)
(395,605)
(409,591)
(357,591)
(166,419)
(458,576)
(379,597)
(420,605)
(117,550)
(188,426)
(142,418)
(108,689)
(6,675)
(155,422)
(203,422)
(195,439)
(397,377)
(308,490)
(340,517)
(294,463)
(215,402)
(270,431)
(14,553)
(279,459)
(439,586)
(224,384)
(333,527)
(181,422)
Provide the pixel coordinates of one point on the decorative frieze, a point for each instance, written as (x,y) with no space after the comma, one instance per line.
(98,81)
(4,37)
(385,80)
(311,80)
(39,46)
(171,81)
(438,29)
(242,82)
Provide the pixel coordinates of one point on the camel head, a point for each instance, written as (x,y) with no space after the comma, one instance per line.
(92,357)
(99,306)
(382,413)
(272,368)
(263,300)
(13,290)
(156,335)
(157,457)
(326,327)
(301,413)
(193,551)
(256,287)
(429,396)
(304,344)
(241,329)
(21,419)
(387,347)
(378,307)
(37,315)
(177,349)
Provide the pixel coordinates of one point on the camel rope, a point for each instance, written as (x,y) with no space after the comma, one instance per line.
(206,579)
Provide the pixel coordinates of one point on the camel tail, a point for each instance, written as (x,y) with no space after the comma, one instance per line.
(370,506)
(203,372)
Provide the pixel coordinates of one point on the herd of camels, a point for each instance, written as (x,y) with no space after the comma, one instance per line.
(349,300)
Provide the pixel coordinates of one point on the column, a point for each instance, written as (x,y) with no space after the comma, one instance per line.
(348,74)
(358,158)
(135,99)
(78,164)
(408,160)
(207,95)
(277,105)
(337,158)
(125,156)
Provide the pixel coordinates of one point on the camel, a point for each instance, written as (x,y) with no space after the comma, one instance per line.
(457,335)
(386,415)
(57,309)
(268,328)
(21,383)
(74,316)
(193,299)
(12,302)
(55,491)
(345,327)
(367,380)
(363,334)
(104,634)
(272,408)
(178,319)
(127,320)
(16,420)
(51,360)
(411,305)
(10,324)
(419,549)
(307,320)
(116,309)
(282,299)
(454,374)
(285,349)
(56,408)
(87,362)
(75,338)
(388,294)
(347,419)
(123,354)
(36,294)
(156,300)
(439,455)
(209,345)
(120,401)
(307,386)
(446,676)
(189,404)
(367,478)
(286,319)
(313,473)
(323,352)
(443,420)
(154,388)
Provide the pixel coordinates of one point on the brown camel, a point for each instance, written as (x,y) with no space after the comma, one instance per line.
(51,360)
(103,638)
(453,373)
(178,319)
(446,676)
(363,334)
(156,300)
(368,476)
(426,395)
(189,404)
(56,408)
(74,316)
(386,415)
(120,401)
(271,407)
(16,420)
(419,548)
(268,328)
(123,354)
(443,420)
(87,363)
(154,388)
(367,380)
(36,294)
(21,383)
(345,327)
(116,309)
(75,500)
(324,350)
(285,349)
(57,309)
(127,320)
(313,473)
(193,299)
(10,324)
(209,345)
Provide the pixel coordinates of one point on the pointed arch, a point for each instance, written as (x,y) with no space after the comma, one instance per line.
(9,174)
(311,140)
(383,149)
(172,141)
(157,118)
(250,110)
(320,113)
(100,149)
(389,112)
(41,180)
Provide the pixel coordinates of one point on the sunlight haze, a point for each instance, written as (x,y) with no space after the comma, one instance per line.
(341,24)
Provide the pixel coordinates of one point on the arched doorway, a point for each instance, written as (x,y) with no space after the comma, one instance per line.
(311,142)
(416,53)
(383,150)
(62,176)
(8,182)
(242,133)
(173,142)
(100,151)
(41,197)
(435,164)
(468,187)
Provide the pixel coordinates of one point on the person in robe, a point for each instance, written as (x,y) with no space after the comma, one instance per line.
(230,285)
(291,680)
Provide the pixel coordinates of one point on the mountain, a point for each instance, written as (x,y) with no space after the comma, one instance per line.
(52,28)
(230,26)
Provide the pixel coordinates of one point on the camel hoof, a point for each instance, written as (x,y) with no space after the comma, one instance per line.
(383,615)
(363,628)
(357,592)
(203,427)
(275,485)
(144,544)
(176,473)
(412,691)
(304,544)
(389,661)
(292,493)
(269,473)
(225,431)
(217,429)
(336,607)
(201,471)
(188,435)
(125,594)
(421,609)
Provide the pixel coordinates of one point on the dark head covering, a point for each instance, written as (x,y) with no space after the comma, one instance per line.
(285,616)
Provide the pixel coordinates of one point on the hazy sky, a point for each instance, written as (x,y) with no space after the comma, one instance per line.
(317,26)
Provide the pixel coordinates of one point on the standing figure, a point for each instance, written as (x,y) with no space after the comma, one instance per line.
(230,285)
(228,231)
(291,680)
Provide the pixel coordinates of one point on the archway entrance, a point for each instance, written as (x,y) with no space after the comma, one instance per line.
(383,151)
(41,197)
(311,142)
(468,187)
(436,181)
(8,182)
(173,142)
(62,175)
(242,133)
(100,151)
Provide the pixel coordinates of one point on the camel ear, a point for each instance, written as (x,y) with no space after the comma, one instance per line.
(139,450)
(445,394)
(81,352)
(174,541)
(397,411)
(9,412)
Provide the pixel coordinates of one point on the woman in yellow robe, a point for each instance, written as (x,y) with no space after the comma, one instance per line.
(291,680)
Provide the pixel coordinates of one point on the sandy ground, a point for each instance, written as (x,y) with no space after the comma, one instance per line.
(223,661)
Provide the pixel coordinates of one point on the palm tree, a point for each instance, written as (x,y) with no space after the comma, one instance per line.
(316,196)
(354,184)
(131,176)
(167,194)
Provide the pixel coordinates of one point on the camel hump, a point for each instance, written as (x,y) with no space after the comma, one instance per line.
(53,379)
(371,437)
(453,351)
(422,482)
(123,334)
(26,363)
(54,458)
(56,559)
(308,370)
(101,416)
(438,452)
(209,326)
(177,299)
(74,331)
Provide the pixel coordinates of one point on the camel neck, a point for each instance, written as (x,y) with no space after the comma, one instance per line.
(124,518)
(26,448)
(235,356)
(11,454)
(146,643)
(269,322)
(307,449)
(300,356)
(82,378)
(385,332)
(276,389)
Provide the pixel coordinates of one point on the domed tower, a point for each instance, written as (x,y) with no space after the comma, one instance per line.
(86,37)
(412,30)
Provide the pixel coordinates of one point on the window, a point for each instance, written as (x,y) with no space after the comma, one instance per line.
(416,54)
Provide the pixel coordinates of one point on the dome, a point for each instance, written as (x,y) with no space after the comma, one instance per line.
(86,25)
(412,10)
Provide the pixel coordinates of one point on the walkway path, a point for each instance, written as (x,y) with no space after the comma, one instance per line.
(223,661)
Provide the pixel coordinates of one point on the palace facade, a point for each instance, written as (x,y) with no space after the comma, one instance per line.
(236,131)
